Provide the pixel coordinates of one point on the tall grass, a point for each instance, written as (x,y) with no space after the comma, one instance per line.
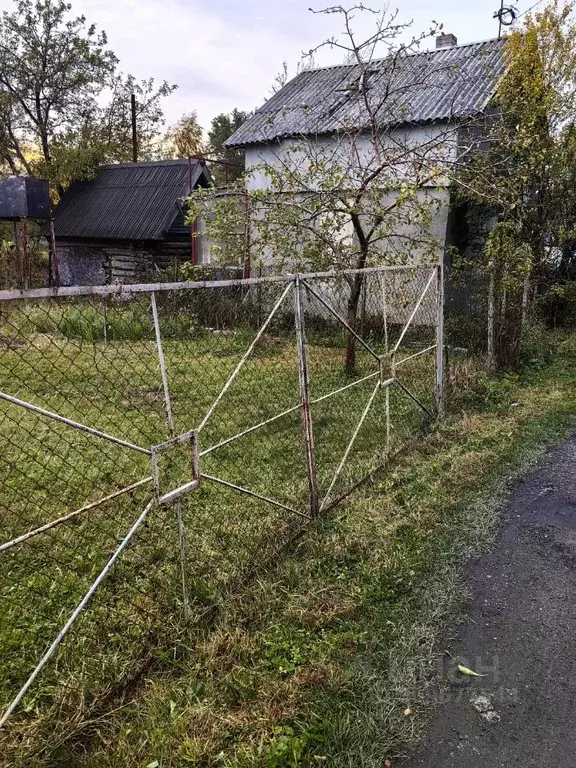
(86,321)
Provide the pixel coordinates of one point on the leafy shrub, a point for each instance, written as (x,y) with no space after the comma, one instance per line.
(290,746)
(558,304)
(537,350)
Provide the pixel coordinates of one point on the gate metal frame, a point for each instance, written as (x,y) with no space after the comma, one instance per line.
(295,283)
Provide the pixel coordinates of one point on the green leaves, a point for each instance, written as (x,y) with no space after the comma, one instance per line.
(64,106)
(186,136)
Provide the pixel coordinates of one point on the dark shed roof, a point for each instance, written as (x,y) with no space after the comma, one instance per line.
(447,83)
(129,201)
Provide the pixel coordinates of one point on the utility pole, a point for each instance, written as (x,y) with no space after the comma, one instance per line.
(134,134)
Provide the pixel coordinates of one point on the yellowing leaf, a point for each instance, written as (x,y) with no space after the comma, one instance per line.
(469,672)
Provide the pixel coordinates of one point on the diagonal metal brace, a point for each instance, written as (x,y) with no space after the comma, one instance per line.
(350,445)
(410,394)
(245,356)
(414,311)
(71,423)
(76,612)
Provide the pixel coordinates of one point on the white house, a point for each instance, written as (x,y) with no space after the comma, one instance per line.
(428,109)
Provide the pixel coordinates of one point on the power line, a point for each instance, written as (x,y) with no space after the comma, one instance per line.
(529,9)
(506,16)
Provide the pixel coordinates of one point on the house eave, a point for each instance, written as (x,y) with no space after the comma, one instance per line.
(452,119)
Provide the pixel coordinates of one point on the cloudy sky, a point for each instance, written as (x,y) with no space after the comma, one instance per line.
(225,53)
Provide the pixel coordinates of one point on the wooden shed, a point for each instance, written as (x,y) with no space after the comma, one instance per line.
(127,220)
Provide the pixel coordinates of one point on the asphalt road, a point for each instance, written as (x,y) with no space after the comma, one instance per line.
(520,632)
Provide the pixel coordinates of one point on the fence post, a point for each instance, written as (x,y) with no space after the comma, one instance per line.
(490,322)
(305,399)
(18,253)
(440,339)
(170,420)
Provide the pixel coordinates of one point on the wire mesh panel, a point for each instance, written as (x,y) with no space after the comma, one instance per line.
(467,310)
(372,360)
(81,404)
(159,443)
(233,375)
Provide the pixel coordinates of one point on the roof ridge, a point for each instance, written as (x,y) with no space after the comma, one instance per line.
(152,163)
(413,53)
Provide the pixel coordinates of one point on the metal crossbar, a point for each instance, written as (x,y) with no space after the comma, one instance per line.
(287,412)
(255,495)
(71,515)
(249,431)
(415,355)
(128,289)
(71,423)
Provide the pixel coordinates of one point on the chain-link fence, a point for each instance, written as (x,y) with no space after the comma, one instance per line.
(158,443)
(466,310)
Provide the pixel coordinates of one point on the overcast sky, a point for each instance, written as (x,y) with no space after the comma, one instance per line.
(225,53)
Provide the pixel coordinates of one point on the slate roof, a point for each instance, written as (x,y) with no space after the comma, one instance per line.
(128,201)
(430,86)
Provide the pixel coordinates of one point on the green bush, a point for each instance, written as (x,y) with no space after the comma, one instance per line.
(558,304)
(536,348)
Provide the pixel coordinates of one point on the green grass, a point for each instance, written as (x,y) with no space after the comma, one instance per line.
(104,373)
(317,661)
(313,659)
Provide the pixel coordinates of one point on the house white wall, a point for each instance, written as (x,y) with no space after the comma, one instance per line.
(434,145)
(424,150)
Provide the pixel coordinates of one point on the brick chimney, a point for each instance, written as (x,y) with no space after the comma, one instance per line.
(446,41)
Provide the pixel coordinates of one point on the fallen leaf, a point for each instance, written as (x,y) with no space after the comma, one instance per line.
(469,672)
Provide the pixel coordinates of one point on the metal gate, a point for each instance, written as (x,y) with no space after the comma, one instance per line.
(159,442)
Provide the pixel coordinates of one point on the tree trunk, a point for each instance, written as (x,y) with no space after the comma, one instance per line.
(352,320)
(509,330)
(354,300)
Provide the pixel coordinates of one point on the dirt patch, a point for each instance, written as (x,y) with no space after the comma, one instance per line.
(520,633)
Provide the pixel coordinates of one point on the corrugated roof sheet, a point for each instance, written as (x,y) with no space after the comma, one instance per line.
(433,85)
(129,201)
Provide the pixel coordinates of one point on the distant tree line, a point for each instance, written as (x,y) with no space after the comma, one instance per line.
(187,139)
